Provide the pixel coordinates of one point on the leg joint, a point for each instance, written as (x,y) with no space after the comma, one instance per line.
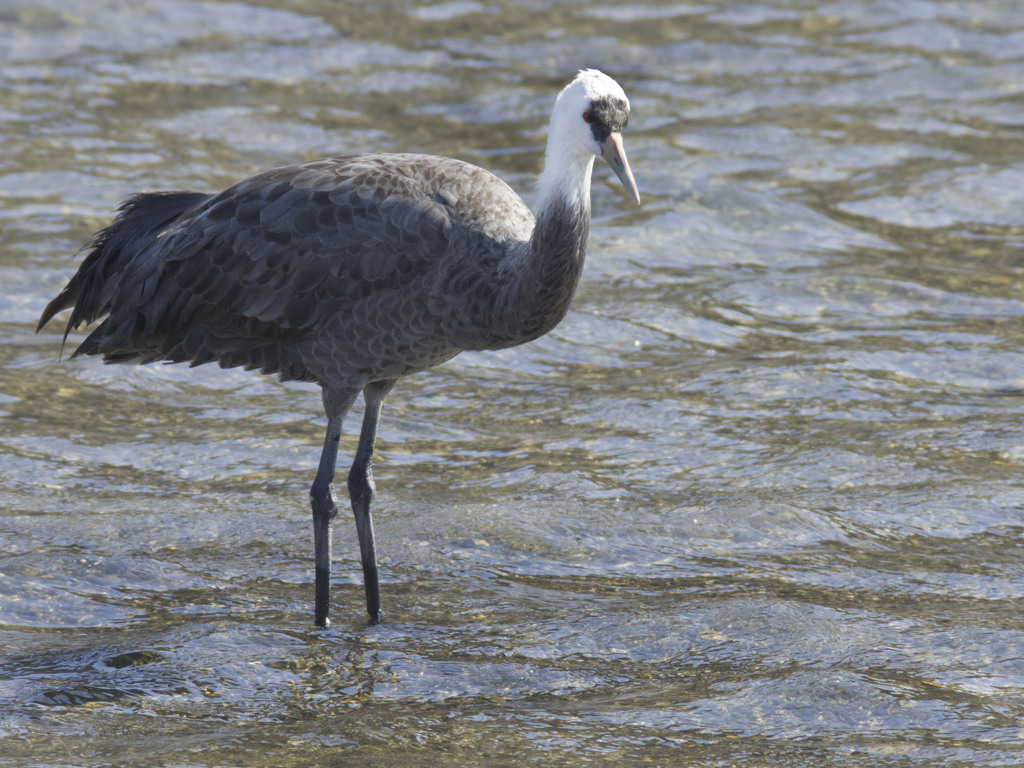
(321,499)
(360,486)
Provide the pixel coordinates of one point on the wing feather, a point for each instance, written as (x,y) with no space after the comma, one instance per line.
(308,255)
(245,275)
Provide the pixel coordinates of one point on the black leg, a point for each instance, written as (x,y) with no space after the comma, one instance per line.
(360,491)
(325,504)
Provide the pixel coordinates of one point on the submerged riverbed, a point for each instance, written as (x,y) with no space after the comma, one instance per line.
(757,501)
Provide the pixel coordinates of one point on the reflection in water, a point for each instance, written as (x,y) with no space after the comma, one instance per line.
(755,502)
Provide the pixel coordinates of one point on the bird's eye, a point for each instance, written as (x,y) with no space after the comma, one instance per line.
(588,117)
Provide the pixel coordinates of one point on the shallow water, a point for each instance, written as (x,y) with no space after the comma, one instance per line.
(757,501)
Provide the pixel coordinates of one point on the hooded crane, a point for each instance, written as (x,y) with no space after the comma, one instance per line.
(350,272)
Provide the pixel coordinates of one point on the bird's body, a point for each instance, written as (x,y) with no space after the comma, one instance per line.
(350,272)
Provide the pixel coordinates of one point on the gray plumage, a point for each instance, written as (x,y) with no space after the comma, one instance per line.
(350,272)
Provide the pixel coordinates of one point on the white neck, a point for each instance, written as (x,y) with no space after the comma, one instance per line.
(566,176)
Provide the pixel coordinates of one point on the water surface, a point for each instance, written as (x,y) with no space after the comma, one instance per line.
(757,501)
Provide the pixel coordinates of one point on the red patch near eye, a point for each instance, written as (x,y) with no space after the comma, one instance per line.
(587,117)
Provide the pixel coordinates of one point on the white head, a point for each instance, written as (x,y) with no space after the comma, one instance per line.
(589,116)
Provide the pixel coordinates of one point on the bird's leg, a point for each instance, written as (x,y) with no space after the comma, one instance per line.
(325,508)
(360,491)
(325,505)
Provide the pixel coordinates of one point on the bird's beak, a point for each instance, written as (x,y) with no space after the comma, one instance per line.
(615,155)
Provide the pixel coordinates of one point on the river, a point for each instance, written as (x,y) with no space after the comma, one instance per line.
(758,501)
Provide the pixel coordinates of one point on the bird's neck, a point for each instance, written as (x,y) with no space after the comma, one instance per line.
(552,262)
(566,176)
(538,277)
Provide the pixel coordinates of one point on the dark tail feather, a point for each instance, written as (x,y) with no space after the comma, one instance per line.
(140,220)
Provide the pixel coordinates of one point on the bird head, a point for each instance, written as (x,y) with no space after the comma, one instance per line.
(593,111)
